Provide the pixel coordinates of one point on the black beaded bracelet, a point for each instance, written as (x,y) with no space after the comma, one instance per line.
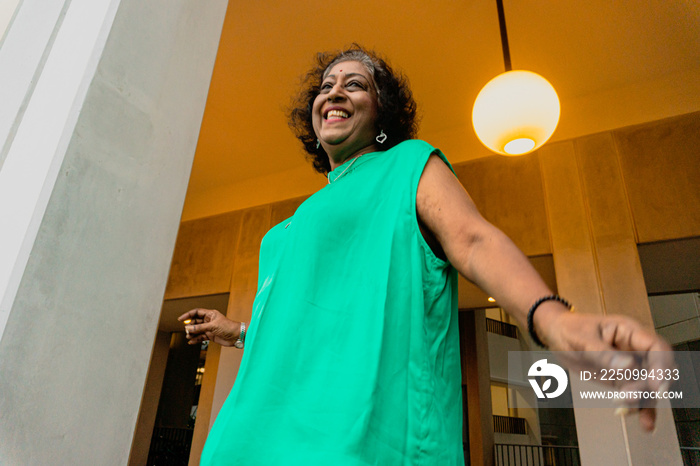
(531,313)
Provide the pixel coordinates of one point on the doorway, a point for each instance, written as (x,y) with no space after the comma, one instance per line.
(170,401)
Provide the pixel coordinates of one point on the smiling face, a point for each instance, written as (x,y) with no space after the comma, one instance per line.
(345,112)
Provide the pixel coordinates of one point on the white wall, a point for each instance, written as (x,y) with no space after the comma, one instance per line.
(7,10)
(97,153)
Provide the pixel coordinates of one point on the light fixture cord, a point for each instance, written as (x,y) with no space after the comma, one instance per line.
(504,35)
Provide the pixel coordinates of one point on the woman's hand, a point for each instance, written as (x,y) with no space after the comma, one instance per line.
(594,342)
(572,331)
(210,324)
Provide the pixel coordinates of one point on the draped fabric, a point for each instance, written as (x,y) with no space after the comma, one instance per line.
(352,354)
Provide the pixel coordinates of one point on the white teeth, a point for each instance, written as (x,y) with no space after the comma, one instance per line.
(337,114)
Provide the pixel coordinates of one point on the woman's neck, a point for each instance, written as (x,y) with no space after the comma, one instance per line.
(338,159)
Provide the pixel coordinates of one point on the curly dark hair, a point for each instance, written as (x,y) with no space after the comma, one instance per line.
(396,112)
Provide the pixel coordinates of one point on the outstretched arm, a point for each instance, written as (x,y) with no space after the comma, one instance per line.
(478,250)
(486,256)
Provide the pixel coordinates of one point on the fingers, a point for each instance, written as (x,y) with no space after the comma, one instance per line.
(628,335)
(618,343)
(195,340)
(618,334)
(194,330)
(613,342)
(647,418)
(189,315)
(651,351)
(197,333)
(644,350)
(198,313)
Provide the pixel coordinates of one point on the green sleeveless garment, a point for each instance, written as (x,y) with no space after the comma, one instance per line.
(352,354)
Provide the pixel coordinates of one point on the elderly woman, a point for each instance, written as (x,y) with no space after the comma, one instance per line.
(352,353)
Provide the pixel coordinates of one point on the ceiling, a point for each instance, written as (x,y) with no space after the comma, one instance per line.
(612,63)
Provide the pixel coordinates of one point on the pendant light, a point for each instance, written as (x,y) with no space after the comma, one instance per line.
(517,111)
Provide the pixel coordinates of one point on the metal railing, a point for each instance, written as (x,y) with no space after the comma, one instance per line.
(535,455)
(501,328)
(547,455)
(509,425)
(691,456)
(170,446)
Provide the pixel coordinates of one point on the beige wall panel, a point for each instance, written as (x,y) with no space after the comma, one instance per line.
(508,192)
(661,167)
(282,210)
(572,246)
(204,256)
(611,223)
(255,222)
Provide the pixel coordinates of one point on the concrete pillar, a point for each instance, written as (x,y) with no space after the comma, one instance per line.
(597,268)
(102,103)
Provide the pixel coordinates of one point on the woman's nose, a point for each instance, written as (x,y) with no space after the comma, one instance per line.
(335,94)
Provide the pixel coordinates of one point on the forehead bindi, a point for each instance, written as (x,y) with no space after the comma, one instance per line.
(348,67)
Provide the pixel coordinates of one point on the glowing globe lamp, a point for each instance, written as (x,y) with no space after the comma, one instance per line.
(516,112)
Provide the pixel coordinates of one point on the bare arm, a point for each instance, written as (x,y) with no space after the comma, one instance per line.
(478,250)
(487,257)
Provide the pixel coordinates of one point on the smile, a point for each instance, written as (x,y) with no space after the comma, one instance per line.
(336,114)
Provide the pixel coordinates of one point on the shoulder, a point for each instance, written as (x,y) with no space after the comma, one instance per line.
(276,231)
(413,146)
(419,152)
(412,152)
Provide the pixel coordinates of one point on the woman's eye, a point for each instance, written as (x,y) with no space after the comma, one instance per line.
(356,84)
(325,87)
